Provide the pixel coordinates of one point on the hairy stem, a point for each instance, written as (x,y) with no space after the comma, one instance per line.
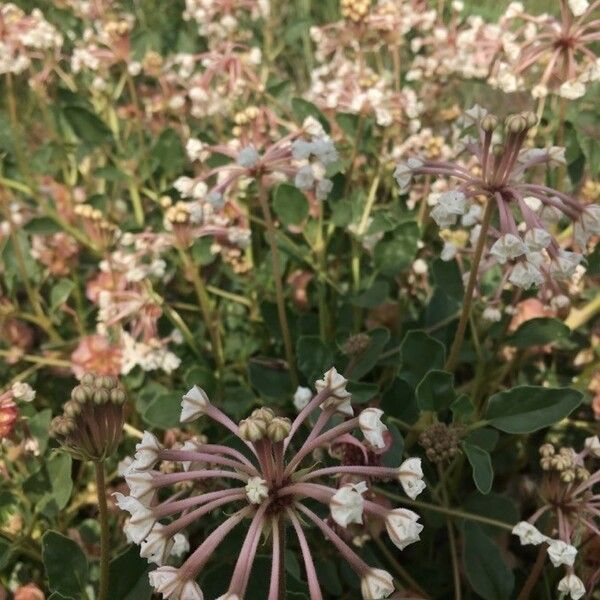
(104,533)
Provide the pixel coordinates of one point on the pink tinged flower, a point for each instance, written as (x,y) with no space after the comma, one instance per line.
(593,445)
(146,452)
(524,275)
(302,396)
(376,584)
(508,247)
(23,392)
(403,527)
(410,475)
(561,553)
(339,398)
(528,534)
(257,490)
(347,504)
(140,485)
(572,585)
(193,405)
(156,547)
(578,7)
(142,519)
(537,239)
(168,582)
(371,426)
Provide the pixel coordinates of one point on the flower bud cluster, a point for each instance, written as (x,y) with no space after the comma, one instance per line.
(441,442)
(92,420)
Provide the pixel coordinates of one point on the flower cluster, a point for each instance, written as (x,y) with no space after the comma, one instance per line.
(567,494)
(493,175)
(272,480)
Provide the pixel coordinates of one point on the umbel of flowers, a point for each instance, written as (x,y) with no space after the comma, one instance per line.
(567,493)
(265,487)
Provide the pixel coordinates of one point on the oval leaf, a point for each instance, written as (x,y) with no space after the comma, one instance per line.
(537,332)
(483,473)
(528,408)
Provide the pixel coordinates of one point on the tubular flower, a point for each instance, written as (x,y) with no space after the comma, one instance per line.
(519,213)
(263,484)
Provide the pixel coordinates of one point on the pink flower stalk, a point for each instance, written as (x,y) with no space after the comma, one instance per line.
(266,486)
(556,54)
(568,496)
(529,250)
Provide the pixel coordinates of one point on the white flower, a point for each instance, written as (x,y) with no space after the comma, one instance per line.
(313,127)
(376,584)
(593,445)
(524,275)
(256,490)
(578,7)
(156,547)
(23,392)
(302,396)
(403,527)
(537,239)
(508,247)
(561,553)
(448,252)
(571,90)
(195,149)
(146,452)
(472,216)
(404,172)
(324,149)
(248,157)
(410,475)
(215,199)
(167,581)
(339,397)
(565,264)
(305,178)
(191,446)
(373,429)
(181,545)
(301,149)
(347,504)
(528,534)
(572,585)
(140,484)
(492,313)
(450,205)
(193,404)
(185,186)
(142,519)
(229,596)
(539,91)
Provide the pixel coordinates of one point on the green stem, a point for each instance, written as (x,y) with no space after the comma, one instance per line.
(104,533)
(452,540)
(444,510)
(277,276)
(468,300)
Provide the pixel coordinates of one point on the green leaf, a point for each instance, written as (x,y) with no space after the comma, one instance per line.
(164,411)
(60,291)
(86,125)
(397,250)
(362,392)
(399,401)
(537,332)
(168,152)
(527,408)
(129,576)
(588,134)
(435,392)
(270,380)
(290,204)
(462,408)
(66,565)
(495,506)
(302,109)
(447,277)
(202,253)
(42,226)
(483,472)
(314,357)
(5,552)
(374,296)
(39,426)
(420,353)
(393,457)
(59,472)
(484,565)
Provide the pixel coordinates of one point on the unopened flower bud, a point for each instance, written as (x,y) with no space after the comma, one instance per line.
(582,474)
(81,393)
(516,124)
(530,118)
(264,413)
(547,450)
(252,429)
(567,476)
(72,409)
(489,123)
(278,429)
